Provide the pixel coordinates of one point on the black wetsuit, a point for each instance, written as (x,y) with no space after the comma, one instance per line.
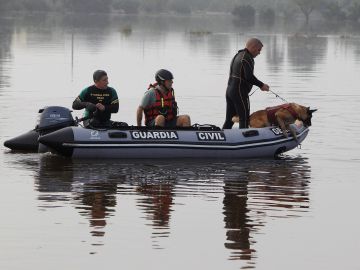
(107,97)
(241,80)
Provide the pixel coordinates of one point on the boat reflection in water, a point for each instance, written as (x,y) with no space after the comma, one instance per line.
(258,191)
(250,190)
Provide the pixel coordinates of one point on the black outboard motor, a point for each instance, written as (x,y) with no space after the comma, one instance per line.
(50,119)
(54,118)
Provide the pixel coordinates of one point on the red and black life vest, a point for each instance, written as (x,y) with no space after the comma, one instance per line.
(270,111)
(165,105)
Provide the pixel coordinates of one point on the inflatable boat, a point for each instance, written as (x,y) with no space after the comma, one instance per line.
(58,132)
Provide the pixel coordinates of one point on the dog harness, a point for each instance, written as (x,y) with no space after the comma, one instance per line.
(271,111)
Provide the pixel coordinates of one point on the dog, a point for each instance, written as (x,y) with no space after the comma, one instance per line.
(283,116)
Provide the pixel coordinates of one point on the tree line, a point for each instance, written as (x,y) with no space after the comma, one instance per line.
(330,10)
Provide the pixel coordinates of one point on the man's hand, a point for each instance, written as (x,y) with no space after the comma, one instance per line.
(100,107)
(265,87)
(90,107)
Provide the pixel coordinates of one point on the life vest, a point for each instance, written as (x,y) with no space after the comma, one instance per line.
(164,104)
(270,111)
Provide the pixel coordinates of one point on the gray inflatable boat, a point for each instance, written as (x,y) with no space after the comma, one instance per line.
(56,131)
(78,142)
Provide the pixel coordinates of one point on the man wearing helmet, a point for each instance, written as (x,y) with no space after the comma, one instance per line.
(159,105)
(241,80)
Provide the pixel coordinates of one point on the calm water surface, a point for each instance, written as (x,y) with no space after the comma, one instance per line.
(299,212)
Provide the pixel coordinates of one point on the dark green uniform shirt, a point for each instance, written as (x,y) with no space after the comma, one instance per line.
(108,97)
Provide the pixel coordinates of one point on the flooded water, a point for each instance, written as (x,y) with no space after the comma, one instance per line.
(298,212)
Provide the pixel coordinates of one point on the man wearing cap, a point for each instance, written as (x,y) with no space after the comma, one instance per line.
(159,105)
(99,101)
(241,80)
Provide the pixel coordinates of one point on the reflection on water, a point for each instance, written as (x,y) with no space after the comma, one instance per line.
(260,190)
(156,200)
(251,192)
(96,202)
(5,55)
(306,51)
(275,53)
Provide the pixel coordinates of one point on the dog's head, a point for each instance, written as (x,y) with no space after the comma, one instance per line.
(309,112)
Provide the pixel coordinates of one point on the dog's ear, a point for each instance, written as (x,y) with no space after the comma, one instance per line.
(310,111)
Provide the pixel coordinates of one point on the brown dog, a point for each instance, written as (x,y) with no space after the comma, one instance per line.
(282,115)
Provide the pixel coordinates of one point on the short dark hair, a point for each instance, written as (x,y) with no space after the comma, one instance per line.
(98,74)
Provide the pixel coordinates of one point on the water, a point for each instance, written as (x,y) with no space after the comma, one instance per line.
(299,212)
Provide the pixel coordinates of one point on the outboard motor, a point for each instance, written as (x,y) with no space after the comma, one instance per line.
(50,119)
(54,118)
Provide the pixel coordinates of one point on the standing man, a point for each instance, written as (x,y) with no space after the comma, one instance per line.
(98,100)
(159,105)
(241,80)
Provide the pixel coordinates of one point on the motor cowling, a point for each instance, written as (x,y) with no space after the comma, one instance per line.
(50,119)
(53,118)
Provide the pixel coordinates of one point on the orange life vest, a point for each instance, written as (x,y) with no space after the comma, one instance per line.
(164,105)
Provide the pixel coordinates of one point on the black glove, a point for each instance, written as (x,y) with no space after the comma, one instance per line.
(90,107)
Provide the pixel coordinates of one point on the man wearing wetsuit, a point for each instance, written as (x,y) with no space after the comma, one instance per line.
(98,100)
(241,80)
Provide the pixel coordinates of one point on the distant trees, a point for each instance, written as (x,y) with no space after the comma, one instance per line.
(154,6)
(332,11)
(4,4)
(40,5)
(307,7)
(87,6)
(267,16)
(81,6)
(126,6)
(242,10)
(354,12)
(244,13)
(180,7)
